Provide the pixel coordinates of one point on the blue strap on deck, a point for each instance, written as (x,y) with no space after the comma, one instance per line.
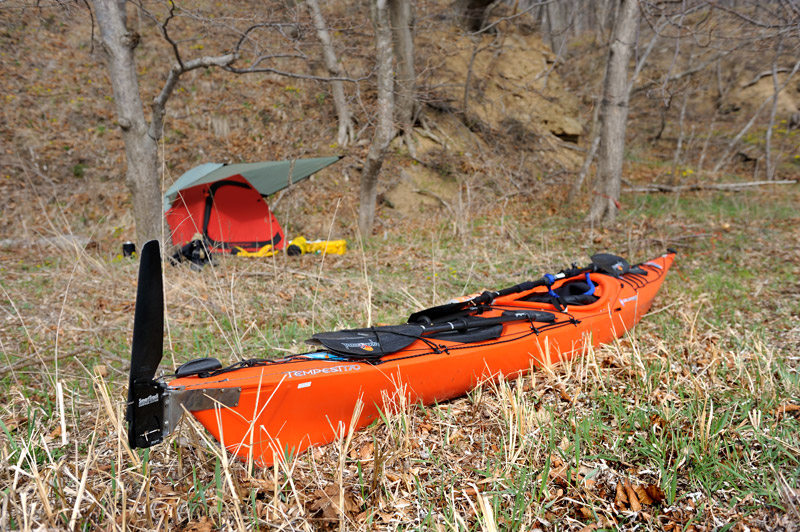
(549,279)
(592,286)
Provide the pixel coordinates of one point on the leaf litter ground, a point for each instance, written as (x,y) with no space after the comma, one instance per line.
(690,422)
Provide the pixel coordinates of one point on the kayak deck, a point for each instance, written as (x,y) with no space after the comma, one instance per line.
(288,405)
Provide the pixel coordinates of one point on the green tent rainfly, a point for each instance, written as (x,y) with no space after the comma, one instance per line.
(226,204)
(266,177)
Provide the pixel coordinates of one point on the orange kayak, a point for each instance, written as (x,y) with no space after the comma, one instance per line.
(273,408)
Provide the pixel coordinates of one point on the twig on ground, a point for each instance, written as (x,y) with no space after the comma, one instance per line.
(20,364)
(60,241)
(704,186)
(294,272)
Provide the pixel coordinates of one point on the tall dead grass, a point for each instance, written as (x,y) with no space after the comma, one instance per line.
(618,437)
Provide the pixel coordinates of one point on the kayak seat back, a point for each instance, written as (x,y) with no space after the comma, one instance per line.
(574,293)
(476,334)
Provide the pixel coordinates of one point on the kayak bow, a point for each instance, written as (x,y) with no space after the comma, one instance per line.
(266,409)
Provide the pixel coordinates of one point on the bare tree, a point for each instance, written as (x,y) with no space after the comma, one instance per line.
(559,19)
(402,21)
(587,162)
(641,60)
(724,158)
(614,114)
(384,128)
(345,134)
(140,136)
(770,167)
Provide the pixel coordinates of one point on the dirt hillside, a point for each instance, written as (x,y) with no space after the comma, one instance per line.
(62,145)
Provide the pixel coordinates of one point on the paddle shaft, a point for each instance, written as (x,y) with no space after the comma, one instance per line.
(601,262)
(488,297)
(462,324)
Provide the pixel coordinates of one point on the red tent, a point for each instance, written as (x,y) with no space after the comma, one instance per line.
(226,204)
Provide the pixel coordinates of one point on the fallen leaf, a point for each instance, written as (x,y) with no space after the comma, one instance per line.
(786,409)
(656,493)
(319,452)
(620,499)
(642,495)
(562,392)
(542,417)
(632,499)
(559,475)
(328,500)
(555,460)
(366,452)
(203,525)
(656,420)
(163,489)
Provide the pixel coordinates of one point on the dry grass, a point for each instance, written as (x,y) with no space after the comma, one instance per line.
(688,423)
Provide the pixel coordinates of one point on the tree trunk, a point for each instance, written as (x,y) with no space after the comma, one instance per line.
(345,134)
(775,87)
(676,158)
(384,129)
(587,162)
(557,26)
(141,149)
(614,115)
(402,19)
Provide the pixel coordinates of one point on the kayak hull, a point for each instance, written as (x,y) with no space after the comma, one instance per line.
(285,407)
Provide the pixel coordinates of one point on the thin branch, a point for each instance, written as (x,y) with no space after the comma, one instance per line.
(643,59)
(764,74)
(690,72)
(160,101)
(722,161)
(792,5)
(246,33)
(775,86)
(263,58)
(296,75)
(750,20)
(177,70)
(475,51)
(31,361)
(163,28)
(91,18)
